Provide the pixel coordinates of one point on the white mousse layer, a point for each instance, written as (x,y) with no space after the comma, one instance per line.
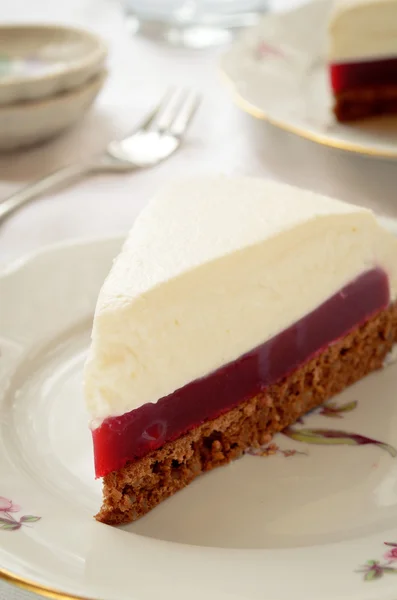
(363,30)
(211,269)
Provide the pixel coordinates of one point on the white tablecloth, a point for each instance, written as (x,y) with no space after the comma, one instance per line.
(221,140)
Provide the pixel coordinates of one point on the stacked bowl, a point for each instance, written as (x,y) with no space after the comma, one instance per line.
(49,76)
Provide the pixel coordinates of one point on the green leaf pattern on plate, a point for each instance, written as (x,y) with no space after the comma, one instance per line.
(374,569)
(335,437)
(7,521)
(29,519)
(331,409)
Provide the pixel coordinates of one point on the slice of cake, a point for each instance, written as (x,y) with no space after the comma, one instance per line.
(363,58)
(235,306)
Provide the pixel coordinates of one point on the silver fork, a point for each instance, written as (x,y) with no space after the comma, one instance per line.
(155,139)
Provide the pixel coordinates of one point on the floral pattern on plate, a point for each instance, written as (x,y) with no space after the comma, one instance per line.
(323,436)
(335,437)
(7,521)
(375,569)
(267,50)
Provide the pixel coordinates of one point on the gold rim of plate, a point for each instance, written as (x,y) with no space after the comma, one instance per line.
(36,588)
(246,106)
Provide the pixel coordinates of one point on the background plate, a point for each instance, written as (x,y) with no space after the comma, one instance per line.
(278,71)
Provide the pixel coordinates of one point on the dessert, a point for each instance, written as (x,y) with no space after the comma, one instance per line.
(235,306)
(363,58)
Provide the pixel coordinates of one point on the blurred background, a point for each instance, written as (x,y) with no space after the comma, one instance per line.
(153,44)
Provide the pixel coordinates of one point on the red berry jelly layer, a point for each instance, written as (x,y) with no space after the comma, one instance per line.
(356,75)
(134,434)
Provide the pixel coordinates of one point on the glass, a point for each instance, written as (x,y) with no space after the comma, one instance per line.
(192,23)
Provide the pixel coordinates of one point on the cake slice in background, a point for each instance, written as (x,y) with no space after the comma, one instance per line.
(235,306)
(363,58)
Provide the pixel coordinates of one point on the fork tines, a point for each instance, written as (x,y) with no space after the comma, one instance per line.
(174,113)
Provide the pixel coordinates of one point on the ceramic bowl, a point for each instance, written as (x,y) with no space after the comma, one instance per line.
(37,61)
(28,123)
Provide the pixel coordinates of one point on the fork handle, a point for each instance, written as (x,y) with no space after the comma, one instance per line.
(35,189)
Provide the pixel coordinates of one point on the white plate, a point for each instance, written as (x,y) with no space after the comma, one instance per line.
(276,528)
(277,71)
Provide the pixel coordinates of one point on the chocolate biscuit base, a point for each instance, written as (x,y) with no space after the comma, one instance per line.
(363,103)
(139,486)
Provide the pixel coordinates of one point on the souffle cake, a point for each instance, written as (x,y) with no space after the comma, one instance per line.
(235,306)
(363,58)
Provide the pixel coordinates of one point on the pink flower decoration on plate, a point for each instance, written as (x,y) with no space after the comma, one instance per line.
(265,50)
(8,506)
(391,554)
(10,523)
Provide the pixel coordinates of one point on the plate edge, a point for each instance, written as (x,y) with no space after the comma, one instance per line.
(23,261)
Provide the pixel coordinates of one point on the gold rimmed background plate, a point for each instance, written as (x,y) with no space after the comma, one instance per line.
(277,71)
